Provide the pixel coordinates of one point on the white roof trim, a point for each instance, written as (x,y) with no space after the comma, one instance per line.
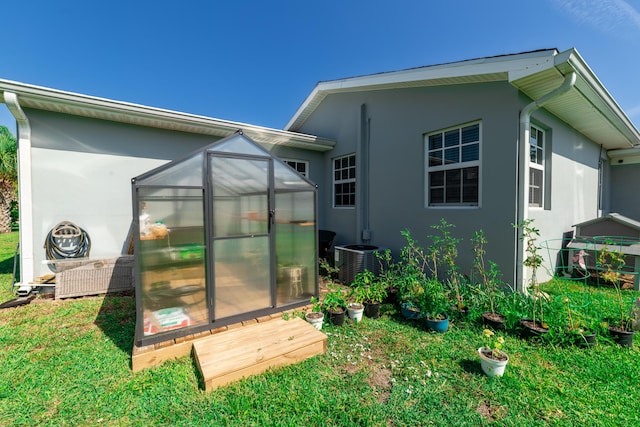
(531,72)
(42,98)
(482,70)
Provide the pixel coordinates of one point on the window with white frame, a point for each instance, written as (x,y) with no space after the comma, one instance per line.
(344,181)
(536,167)
(300,166)
(453,166)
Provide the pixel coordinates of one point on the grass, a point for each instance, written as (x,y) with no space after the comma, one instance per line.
(67,363)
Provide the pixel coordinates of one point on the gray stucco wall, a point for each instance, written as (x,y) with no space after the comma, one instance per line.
(82,170)
(398,121)
(624,190)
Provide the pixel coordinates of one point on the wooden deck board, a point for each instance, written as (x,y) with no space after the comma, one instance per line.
(252,349)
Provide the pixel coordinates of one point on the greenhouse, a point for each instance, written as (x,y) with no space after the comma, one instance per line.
(227,234)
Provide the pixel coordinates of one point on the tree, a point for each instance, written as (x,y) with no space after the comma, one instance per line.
(8,177)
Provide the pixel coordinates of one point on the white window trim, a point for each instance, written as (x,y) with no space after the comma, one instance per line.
(540,167)
(341,181)
(461,165)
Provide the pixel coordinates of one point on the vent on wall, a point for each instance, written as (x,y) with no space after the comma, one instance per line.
(354,259)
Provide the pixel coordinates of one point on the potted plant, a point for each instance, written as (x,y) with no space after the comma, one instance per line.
(315,316)
(334,304)
(611,262)
(370,291)
(489,286)
(355,311)
(410,291)
(444,252)
(577,328)
(434,304)
(492,359)
(409,276)
(534,326)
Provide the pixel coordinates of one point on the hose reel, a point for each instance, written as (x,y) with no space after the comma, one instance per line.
(67,240)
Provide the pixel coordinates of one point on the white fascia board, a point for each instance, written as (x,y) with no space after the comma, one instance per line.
(73,103)
(485,69)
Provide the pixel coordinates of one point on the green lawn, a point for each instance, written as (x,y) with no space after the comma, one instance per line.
(68,363)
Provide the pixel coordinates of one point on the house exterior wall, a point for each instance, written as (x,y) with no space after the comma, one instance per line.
(82,170)
(574,186)
(397,121)
(624,190)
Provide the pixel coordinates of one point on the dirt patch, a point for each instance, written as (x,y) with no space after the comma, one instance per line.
(491,413)
(380,381)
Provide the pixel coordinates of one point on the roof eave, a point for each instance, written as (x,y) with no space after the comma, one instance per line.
(48,99)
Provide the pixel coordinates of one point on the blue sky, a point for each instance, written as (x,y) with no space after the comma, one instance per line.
(256,61)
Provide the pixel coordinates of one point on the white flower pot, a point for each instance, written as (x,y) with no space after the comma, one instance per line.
(315,319)
(355,311)
(492,367)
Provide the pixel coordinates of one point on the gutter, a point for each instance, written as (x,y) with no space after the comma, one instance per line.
(46,99)
(522,171)
(25,194)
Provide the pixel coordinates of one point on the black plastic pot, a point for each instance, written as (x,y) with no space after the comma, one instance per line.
(494,321)
(531,330)
(622,337)
(587,339)
(372,309)
(336,317)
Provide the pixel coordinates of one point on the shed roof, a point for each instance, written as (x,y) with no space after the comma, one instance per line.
(615,217)
(587,107)
(48,99)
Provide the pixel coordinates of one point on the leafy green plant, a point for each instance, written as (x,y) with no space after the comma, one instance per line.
(435,302)
(529,235)
(316,305)
(334,300)
(489,284)
(368,288)
(445,247)
(493,342)
(612,262)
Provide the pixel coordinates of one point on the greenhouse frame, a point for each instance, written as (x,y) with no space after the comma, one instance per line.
(226,234)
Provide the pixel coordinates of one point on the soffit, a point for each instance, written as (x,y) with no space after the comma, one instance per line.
(104,109)
(587,107)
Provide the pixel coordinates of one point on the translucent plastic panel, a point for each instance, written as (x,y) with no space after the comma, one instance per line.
(175,207)
(295,235)
(242,275)
(172,257)
(240,196)
(239,144)
(186,173)
(287,178)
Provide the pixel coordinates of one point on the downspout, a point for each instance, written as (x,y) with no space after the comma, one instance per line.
(25,194)
(522,174)
(362,181)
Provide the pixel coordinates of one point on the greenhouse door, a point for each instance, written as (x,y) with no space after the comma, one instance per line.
(241,200)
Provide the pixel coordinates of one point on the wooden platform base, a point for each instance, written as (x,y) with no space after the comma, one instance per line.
(253,349)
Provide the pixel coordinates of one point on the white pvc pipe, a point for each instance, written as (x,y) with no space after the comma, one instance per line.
(522,207)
